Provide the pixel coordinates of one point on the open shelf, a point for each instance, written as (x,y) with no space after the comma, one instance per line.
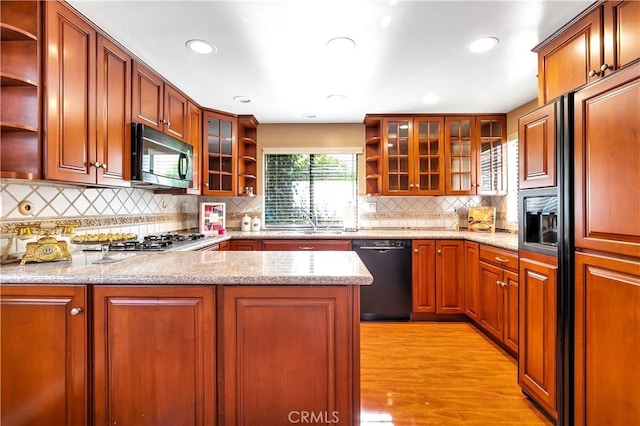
(12,33)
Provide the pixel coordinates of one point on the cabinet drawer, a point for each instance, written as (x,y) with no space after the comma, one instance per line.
(309,245)
(499,257)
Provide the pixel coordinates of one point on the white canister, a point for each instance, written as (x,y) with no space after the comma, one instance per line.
(245,223)
(255,224)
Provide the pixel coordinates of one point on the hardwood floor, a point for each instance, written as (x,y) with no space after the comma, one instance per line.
(426,373)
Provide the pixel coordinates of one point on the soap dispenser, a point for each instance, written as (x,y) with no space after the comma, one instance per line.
(245,223)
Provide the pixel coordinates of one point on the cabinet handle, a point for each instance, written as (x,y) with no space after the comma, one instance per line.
(605,67)
(305,248)
(501,260)
(593,73)
(500,283)
(75,311)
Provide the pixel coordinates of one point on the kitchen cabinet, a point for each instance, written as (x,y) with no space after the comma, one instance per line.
(538,323)
(245,245)
(44,368)
(87,106)
(20,89)
(499,292)
(423,280)
(274,364)
(373,155)
(306,245)
(537,148)
(247,155)
(412,152)
(449,277)
(194,138)
(598,42)
(224,246)
(158,104)
(472,280)
(491,147)
(607,318)
(154,355)
(607,173)
(437,277)
(460,155)
(220,154)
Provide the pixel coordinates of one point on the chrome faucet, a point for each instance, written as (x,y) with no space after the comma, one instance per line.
(311,219)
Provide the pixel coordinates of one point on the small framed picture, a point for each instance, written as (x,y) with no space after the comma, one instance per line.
(212,218)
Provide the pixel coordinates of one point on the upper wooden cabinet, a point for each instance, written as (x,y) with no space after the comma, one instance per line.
(158,104)
(602,39)
(220,154)
(87,110)
(20,89)
(606,159)
(44,368)
(537,148)
(247,155)
(435,155)
(194,138)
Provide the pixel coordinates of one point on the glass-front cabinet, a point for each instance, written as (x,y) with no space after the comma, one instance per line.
(492,176)
(220,156)
(460,152)
(413,156)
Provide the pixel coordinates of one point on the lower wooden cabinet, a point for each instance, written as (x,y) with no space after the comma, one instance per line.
(607,342)
(438,276)
(245,245)
(472,280)
(154,355)
(44,369)
(499,293)
(306,245)
(537,354)
(276,368)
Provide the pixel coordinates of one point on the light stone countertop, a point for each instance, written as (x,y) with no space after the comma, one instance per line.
(197,268)
(499,239)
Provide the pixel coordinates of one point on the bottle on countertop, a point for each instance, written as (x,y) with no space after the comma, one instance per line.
(255,224)
(245,223)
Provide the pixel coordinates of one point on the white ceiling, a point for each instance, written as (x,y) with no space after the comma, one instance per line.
(275,53)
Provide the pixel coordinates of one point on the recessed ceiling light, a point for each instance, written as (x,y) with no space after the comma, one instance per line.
(309,115)
(242,99)
(341,44)
(483,44)
(201,46)
(337,98)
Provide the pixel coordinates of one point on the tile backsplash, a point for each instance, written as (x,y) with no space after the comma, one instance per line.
(142,212)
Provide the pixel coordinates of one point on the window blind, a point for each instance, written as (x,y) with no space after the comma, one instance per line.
(304,188)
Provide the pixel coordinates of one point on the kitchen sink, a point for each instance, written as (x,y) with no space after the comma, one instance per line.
(310,232)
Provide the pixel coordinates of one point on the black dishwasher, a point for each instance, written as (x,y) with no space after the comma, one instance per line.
(389,296)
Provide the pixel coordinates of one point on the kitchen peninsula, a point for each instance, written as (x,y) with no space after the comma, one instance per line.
(212,337)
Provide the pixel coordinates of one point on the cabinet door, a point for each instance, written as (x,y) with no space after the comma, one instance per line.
(537,148)
(220,154)
(44,367)
(537,354)
(472,280)
(511,295)
(428,156)
(194,138)
(491,295)
(607,346)
(147,97)
(113,100)
(397,148)
(70,106)
(245,245)
(449,277)
(175,113)
(288,350)
(565,63)
(607,164)
(491,148)
(621,32)
(460,156)
(423,281)
(306,245)
(154,355)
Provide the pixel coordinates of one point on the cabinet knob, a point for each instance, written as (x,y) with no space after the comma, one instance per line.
(593,73)
(96,164)
(411,185)
(415,250)
(104,166)
(168,123)
(605,67)
(439,251)
(75,311)
(206,184)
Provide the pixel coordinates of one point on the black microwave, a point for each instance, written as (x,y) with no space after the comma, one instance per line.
(158,160)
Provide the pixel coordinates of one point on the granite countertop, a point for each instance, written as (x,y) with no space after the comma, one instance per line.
(188,267)
(499,239)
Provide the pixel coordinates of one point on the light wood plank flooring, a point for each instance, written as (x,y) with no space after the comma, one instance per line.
(426,373)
